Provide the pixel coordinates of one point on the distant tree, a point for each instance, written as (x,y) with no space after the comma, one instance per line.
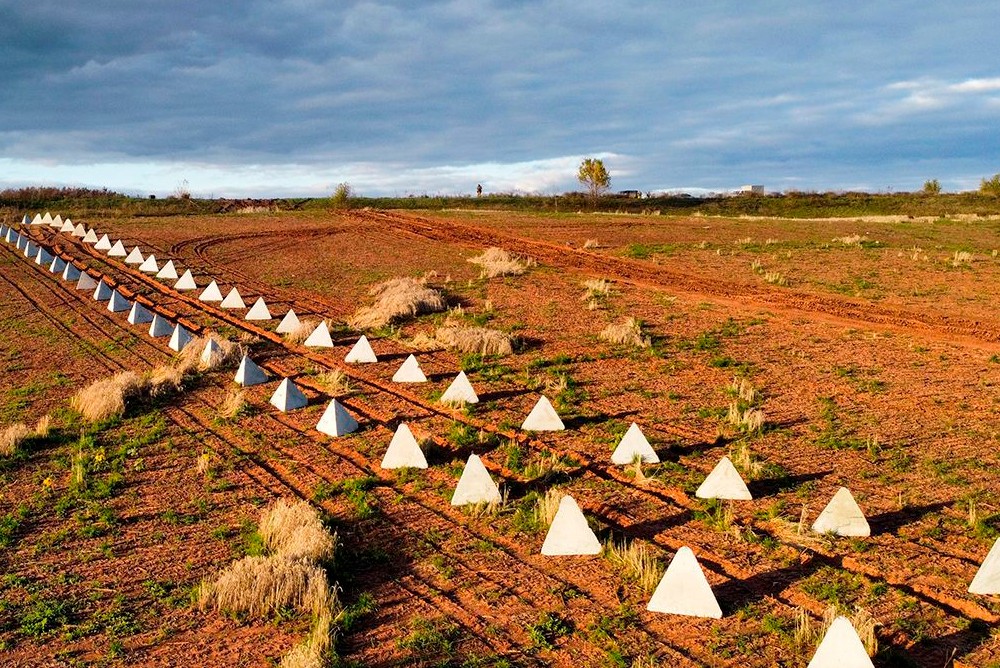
(342,195)
(932,187)
(594,176)
(990,186)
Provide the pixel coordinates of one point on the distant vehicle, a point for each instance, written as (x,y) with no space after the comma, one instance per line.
(635,194)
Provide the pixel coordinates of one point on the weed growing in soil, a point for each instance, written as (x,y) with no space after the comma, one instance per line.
(498,262)
(547,630)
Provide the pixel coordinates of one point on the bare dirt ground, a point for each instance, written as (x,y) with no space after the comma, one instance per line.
(877,367)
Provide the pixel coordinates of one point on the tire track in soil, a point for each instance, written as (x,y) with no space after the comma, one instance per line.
(728,570)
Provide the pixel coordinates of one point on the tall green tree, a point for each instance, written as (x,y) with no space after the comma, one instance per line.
(990,186)
(932,187)
(594,176)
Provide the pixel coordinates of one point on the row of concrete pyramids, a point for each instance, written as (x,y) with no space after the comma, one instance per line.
(678,594)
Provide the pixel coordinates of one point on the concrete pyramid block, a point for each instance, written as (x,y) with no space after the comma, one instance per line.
(67,226)
(179,338)
(104,243)
(160,326)
(724,482)
(842,516)
(233,300)
(22,241)
(43,258)
(249,373)
(168,271)
(90,237)
(361,353)
(3,231)
(320,337)
(543,417)
(56,221)
(211,353)
(135,257)
(211,293)
(71,273)
(683,589)
(37,220)
(139,315)
(476,485)
(186,282)
(569,533)
(117,303)
(841,648)
(288,397)
(86,282)
(26,220)
(9,235)
(409,372)
(632,445)
(149,265)
(80,231)
(259,311)
(47,219)
(460,392)
(117,250)
(289,323)
(336,421)
(57,265)
(30,249)
(404,451)
(102,292)
(987,580)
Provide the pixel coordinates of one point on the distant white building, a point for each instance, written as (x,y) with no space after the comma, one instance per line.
(751,190)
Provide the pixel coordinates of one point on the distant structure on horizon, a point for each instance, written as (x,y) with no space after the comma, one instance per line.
(751,190)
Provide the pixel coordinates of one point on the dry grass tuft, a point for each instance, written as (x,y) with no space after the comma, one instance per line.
(637,562)
(43,426)
(480,340)
(591,243)
(302,331)
(190,358)
(749,420)
(334,381)
(852,239)
(233,405)
(808,634)
(260,587)
(595,288)
(628,332)
(547,506)
(104,399)
(498,262)
(960,258)
(424,342)
(204,463)
(396,299)
(12,437)
(164,380)
(295,531)
(746,461)
(744,389)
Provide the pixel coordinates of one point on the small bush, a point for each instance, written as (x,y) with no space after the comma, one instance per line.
(105,399)
(498,262)
(396,299)
(628,332)
(234,404)
(260,587)
(295,531)
(479,340)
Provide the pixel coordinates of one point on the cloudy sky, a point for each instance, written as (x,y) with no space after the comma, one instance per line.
(291,97)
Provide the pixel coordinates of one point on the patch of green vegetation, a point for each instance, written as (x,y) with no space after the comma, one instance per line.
(357,492)
(863,380)
(11,523)
(645,251)
(43,616)
(431,640)
(349,616)
(547,630)
(837,587)
(832,434)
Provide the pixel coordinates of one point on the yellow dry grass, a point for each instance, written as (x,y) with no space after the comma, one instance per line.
(547,506)
(43,426)
(638,562)
(233,404)
(294,530)
(395,300)
(259,587)
(334,381)
(498,262)
(106,398)
(302,331)
(12,437)
(480,340)
(192,357)
(628,332)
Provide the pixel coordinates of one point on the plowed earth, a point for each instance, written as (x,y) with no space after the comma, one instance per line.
(889,389)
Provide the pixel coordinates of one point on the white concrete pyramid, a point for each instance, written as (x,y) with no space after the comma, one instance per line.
(841,648)
(632,445)
(90,237)
(117,303)
(179,338)
(233,300)
(67,226)
(86,282)
(460,391)
(70,272)
(134,257)
(683,589)
(475,485)
(9,235)
(288,397)
(160,326)
(102,292)
(43,258)
(22,241)
(211,353)
(149,265)
(336,421)
(249,373)
(409,372)
(80,231)
(186,282)
(320,337)
(724,482)
(404,451)
(57,265)
(289,323)
(139,315)
(259,311)
(104,243)
(543,418)
(569,533)
(3,230)
(361,353)
(167,271)
(26,220)
(30,249)
(987,580)
(56,222)
(842,516)
(47,219)
(211,293)
(37,220)
(117,250)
